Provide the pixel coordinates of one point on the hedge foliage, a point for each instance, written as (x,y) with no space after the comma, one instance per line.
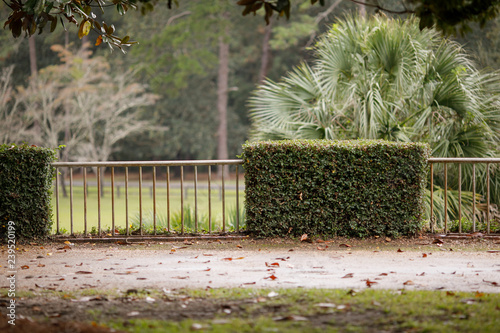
(334,188)
(26,176)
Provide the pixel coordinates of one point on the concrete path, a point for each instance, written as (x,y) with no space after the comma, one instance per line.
(240,264)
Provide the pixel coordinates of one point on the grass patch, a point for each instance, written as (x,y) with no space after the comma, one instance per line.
(277,310)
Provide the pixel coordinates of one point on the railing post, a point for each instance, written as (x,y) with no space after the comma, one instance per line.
(98,201)
(127,231)
(71,199)
(209,199)
(57,200)
(432,198)
(154,200)
(487,198)
(445,198)
(459,198)
(473,197)
(112,201)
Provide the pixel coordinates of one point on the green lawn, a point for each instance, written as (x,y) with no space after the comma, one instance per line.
(134,203)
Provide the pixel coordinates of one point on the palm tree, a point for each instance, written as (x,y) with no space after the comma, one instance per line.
(382,78)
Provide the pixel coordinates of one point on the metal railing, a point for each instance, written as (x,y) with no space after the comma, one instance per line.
(181,184)
(459,161)
(98,167)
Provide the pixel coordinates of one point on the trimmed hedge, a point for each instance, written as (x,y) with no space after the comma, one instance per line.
(26,176)
(334,188)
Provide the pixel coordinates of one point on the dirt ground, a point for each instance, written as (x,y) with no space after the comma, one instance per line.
(117,277)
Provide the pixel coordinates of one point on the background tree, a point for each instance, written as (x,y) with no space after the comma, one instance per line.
(380,78)
(37,15)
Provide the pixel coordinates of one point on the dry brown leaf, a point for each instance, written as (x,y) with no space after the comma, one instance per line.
(25,267)
(348,276)
(493,283)
(322,248)
(408,283)
(383,274)
(424,255)
(126,273)
(272,277)
(345,245)
(274,264)
(437,241)
(370,283)
(83,272)
(399,251)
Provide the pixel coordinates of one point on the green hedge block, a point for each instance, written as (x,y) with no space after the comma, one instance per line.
(26,176)
(334,188)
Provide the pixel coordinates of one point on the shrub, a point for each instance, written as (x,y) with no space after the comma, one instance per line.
(334,188)
(26,176)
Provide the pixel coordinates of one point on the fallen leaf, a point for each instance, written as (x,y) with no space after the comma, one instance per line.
(274,264)
(424,255)
(437,241)
(322,248)
(450,293)
(348,276)
(141,278)
(304,238)
(181,277)
(326,305)
(196,327)
(133,314)
(84,272)
(320,241)
(25,267)
(291,318)
(41,265)
(408,283)
(248,283)
(422,274)
(399,251)
(272,277)
(370,283)
(239,246)
(126,273)
(387,239)
(493,283)
(493,251)
(345,245)
(383,274)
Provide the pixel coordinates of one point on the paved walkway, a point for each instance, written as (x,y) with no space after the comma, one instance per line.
(169,266)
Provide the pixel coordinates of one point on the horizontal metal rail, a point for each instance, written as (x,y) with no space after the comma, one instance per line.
(99,167)
(146,163)
(459,161)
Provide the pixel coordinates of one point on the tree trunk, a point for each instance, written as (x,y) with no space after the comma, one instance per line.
(362,10)
(32,50)
(266,52)
(222,96)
